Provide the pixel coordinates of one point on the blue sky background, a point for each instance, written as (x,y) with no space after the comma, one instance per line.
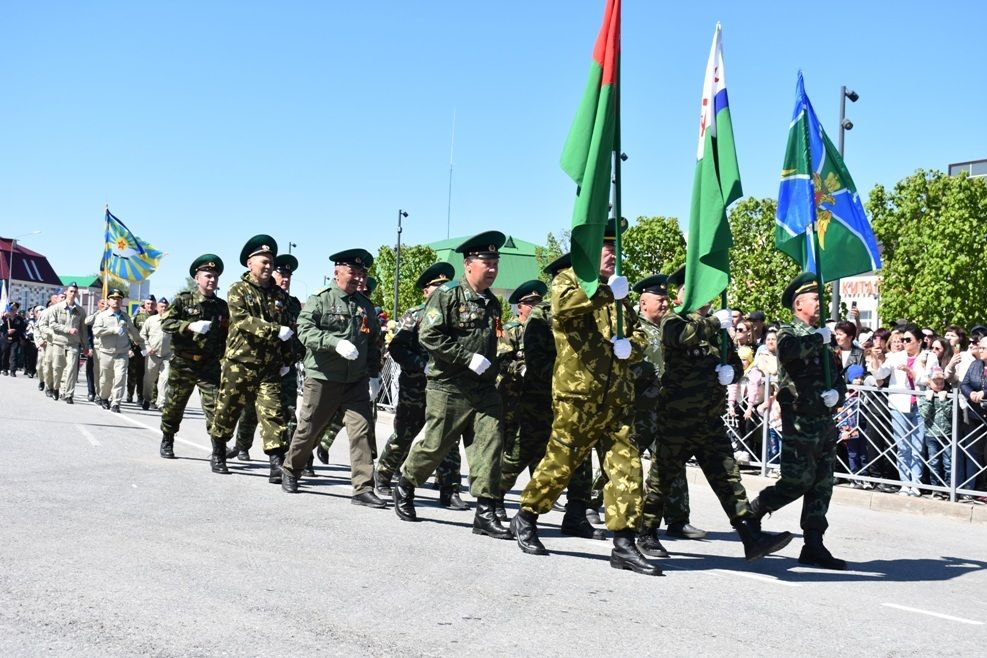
(203,123)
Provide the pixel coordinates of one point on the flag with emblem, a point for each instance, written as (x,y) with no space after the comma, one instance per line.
(819,210)
(4,299)
(588,151)
(125,255)
(715,185)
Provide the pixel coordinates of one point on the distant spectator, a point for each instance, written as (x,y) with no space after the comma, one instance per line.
(756,319)
(742,334)
(849,423)
(895,343)
(969,452)
(936,409)
(852,355)
(927,337)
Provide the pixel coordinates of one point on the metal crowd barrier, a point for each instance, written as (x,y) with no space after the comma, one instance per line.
(387,398)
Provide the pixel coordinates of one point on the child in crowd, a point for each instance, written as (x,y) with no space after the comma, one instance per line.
(849,424)
(936,410)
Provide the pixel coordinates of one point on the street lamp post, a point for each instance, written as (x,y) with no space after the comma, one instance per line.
(845,125)
(10,260)
(397,264)
(290,245)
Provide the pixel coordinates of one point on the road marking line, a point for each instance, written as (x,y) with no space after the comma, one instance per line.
(89,436)
(933,614)
(755,576)
(178,439)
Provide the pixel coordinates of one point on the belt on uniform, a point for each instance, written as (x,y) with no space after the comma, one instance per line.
(193,357)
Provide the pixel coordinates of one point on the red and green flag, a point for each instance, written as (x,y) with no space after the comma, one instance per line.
(588,153)
(715,186)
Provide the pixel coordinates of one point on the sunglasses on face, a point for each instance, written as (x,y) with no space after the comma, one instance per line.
(741,330)
(907,340)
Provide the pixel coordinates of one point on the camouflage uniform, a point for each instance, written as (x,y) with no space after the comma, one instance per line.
(690,409)
(510,356)
(808,446)
(195,357)
(593,397)
(136,366)
(251,363)
(458,322)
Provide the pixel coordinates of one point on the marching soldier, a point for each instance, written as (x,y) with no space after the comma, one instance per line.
(198,322)
(258,355)
(459,331)
(113,333)
(92,366)
(69,338)
(808,447)
(340,332)
(135,370)
(592,396)
(47,351)
(158,347)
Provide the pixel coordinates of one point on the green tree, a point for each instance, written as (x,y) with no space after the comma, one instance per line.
(930,228)
(652,245)
(759,273)
(414,260)
(555,246)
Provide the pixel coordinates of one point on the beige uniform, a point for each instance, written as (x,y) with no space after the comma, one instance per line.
(46,349)
(113,332)
(94,355)
(158,346)
(65,345)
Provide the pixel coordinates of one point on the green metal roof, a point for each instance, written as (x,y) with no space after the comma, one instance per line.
(87,281)
(517,261)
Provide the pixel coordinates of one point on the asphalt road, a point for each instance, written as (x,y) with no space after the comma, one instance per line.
(106,549)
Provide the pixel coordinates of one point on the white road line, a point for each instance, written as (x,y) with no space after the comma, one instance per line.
(178,439)
(933,614)
(757,576)
(89,436)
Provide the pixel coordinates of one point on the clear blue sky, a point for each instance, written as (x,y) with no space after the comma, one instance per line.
(203,123)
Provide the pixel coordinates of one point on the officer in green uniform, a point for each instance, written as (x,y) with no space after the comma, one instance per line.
(593,400)
(674,505)
(409,416)
(459,331)
(198,322)
(691,403)
(258,355)
(284,267)
(340,332)
(808,447)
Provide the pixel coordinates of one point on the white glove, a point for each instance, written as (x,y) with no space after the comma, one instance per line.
(283,371)
(479,364)
(374,388)
(830,397)
(347,350)
(725,316)
(284,333)
(618,286)
(621,348)
(724,373)
(826,334)
(199,326)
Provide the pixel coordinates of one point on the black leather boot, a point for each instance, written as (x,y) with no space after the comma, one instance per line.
(649,545)
(310,466)
(593,516)
(277,461)
(814,554)
(167,446)
(485,521)
(757,544)
(218,459)
(289,483)
(524,525)
(684,531)
(322,454)
(626,556)
(574,522)
(449,497)
(500,511)
(54,395)
(232,452)
(403,494)
(382,482)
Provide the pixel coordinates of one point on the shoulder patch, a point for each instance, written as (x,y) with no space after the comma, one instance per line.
(451,284)
(433,316)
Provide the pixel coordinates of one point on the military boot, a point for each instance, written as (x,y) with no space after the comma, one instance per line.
(757,544)
(310,466)
(684,531)
(593,516)
(626,556)
(167,446)
(403,494)
(649,545)
(277,461)
(449,497)
(485,521)
(524,525)
(382,482)
(232,452)
(322,454)
(54,395)
(500,511)
(574,522)
(814,554)
(289,483)
(218,458)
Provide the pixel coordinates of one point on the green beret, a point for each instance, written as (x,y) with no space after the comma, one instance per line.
(259,244)
(656,284)
(285,264)
(353,258)
(483,245)
(610,230)
(115,293)
(532,291)
(436,274)
(206,262)
(560,263)
(371,285)
(676,278)
(803,283)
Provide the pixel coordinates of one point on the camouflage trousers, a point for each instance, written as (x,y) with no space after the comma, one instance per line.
(528,449)
(577,427)
(668,499)
(321,401)
(409,419)
(183,377)
(808,453)
(242,385)
(247,425)
(692,432)
(135,375)
(472,413)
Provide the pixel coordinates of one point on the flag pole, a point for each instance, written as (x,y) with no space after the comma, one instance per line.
(616,196)
(827,374)
(106,229)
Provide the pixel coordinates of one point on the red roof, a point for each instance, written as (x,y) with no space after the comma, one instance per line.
(29,265)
